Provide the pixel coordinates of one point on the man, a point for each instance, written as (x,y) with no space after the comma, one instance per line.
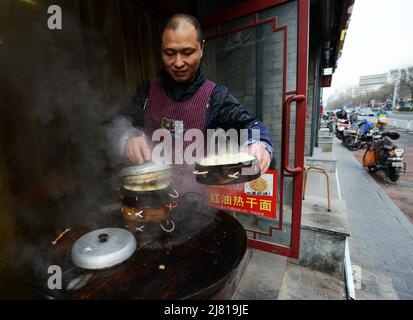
(381,112)
(342,114)
(182,94)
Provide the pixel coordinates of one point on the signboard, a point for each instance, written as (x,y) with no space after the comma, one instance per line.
(258,197)
(326,81)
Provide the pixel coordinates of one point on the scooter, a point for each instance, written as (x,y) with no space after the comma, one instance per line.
(331,123)
(358,136)
(383,155)
(341,125)
(351,137)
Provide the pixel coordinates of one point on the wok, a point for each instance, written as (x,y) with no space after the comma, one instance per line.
(194,262)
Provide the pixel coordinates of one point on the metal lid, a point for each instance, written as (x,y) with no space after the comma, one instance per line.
(103,248)
(147,167)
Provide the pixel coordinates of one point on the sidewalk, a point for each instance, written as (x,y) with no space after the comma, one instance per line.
(269,276)
(381,237)
(380,245)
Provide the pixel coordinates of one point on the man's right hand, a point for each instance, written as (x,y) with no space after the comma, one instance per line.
(137,149)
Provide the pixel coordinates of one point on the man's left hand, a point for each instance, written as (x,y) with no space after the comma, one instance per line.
(259,150)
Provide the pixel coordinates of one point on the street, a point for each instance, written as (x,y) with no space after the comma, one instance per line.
(402,191)
(391,115)
(401,115)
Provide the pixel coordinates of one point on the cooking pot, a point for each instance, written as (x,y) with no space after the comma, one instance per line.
(194,262)
(145,215)
(146,177)
(227,170)
(148,206)
(148,199)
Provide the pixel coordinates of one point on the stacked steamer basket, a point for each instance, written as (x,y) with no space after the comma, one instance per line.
(227,169)
(146,196)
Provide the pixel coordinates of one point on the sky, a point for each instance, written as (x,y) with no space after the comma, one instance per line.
(379,38)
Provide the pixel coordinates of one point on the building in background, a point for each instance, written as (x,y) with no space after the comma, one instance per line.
(370,83)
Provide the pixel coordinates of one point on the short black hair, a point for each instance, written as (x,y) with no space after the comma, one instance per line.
(175,21)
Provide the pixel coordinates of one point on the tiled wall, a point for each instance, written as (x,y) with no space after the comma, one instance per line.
(232,61)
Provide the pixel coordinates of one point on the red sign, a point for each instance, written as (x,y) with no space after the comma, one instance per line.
(326,81)
(258,197)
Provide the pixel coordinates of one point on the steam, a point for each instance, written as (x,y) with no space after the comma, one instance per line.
(118,133)
(64,82)
(190,218)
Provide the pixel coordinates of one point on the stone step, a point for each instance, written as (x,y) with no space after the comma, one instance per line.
(324,160)
(326,143)
(324,132)
(302,283)
(323,124)
(315,215)
(326,146)
(323,236)
(326,138)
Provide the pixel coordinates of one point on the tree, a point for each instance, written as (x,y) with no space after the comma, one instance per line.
(383,93)
(380,95)
(406,81)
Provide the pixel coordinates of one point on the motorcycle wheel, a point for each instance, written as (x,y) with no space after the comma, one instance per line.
(372,169)
(340,135)
(394,174)
(355,147)
(348,142)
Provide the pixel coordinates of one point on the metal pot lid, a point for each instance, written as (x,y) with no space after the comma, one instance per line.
(147,167)
(103,248)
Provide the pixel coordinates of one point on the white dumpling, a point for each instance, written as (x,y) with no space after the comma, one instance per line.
(226,159)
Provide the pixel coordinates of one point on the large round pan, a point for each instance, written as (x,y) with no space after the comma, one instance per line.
(193,262)
(228,173)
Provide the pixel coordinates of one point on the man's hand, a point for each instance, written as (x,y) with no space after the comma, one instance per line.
(137,149)
(259,150)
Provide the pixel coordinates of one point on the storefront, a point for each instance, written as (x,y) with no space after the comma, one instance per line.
(270,54)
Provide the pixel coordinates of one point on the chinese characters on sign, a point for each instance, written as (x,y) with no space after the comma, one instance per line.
(256,197)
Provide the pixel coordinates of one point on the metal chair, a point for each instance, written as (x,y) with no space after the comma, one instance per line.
(322,171)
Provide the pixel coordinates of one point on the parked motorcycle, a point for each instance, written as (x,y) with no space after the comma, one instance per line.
(341,125)
(383,155)
(350,137)
(331,123)
(358,136)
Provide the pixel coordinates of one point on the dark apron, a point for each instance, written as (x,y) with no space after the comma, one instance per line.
(162,112)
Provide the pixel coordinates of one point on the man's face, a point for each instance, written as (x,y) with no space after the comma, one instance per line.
(181,53)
